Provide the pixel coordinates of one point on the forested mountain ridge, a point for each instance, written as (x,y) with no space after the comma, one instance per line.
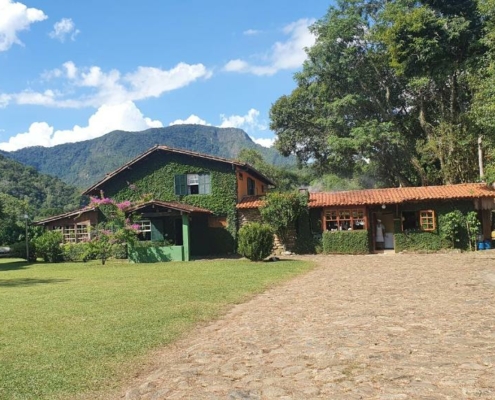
(83,163)
(41,194)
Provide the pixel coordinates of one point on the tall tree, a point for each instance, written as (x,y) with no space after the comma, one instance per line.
(387,89)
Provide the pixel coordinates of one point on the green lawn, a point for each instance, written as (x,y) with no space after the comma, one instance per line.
(72,328)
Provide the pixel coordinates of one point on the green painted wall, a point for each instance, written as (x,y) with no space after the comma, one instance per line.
(156,254)
(153,177)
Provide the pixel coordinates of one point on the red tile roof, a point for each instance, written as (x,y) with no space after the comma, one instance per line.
(387,196)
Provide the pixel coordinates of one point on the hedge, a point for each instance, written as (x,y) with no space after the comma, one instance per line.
(346,242)
(419,241)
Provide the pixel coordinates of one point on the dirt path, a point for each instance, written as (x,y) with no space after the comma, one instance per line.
(357,327)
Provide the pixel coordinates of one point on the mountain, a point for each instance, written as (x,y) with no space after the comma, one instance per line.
(45,195)
(83,163)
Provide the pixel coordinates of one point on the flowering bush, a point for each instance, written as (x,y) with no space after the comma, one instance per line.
(117,231)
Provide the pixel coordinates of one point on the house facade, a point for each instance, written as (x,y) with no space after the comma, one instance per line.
(408,218)
(186,199)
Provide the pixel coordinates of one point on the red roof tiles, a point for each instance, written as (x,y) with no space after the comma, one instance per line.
(387,196)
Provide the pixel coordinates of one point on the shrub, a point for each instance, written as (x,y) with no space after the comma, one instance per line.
(77,252)
(119,251)
(346,242)
(255,241)
(48,246)
(281,211)
(420,242)
(18,250)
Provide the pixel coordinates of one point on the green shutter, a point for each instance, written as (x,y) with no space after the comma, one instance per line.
(180,185)
(204,184)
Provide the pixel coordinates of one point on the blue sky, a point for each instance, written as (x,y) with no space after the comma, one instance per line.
(75,70)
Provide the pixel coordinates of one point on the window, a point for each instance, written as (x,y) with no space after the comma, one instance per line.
(192,184)
(418,220)
(251,187)
(144,229)
(82,232)
(345,220)
(427,220)
(69,234)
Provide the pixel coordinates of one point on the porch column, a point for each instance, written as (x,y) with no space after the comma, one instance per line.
(185,236)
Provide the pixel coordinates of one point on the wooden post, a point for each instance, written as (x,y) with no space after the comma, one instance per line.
(185,236)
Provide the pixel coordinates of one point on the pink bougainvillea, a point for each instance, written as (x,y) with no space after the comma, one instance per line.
(124,205)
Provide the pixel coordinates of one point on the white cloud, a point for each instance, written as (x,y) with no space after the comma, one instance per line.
(251,32)
(16,17)
(70,69)
(192,119)
(4,100)
(152,82)
(125,116)
(283,55)
(265,142)
(63,29)
(247,122)
(109,87)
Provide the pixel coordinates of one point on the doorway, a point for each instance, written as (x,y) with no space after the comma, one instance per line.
(387,220)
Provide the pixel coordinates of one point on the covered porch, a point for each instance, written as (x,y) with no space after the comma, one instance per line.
(164,231)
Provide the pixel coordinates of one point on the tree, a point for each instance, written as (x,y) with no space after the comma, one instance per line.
(117,229)
(387,90)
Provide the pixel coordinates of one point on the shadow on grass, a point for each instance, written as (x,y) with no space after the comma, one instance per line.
(28,282)
(14,265)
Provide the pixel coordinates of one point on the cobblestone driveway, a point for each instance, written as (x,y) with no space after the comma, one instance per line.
(356,327)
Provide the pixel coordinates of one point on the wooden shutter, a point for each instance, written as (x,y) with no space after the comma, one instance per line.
(180,185)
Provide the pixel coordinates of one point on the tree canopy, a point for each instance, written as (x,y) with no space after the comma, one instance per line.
(397,90)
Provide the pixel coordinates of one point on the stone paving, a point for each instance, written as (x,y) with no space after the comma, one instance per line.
(385,327)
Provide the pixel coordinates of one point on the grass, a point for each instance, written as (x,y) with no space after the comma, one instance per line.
(75,328)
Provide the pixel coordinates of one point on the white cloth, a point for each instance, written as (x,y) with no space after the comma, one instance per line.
(379,232)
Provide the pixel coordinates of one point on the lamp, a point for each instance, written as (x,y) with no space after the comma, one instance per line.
(384,206)
(26,217)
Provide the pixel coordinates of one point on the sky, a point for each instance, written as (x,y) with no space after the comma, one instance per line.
(75,70)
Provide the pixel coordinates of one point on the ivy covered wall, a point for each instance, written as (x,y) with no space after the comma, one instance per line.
(153,178)
(431,241)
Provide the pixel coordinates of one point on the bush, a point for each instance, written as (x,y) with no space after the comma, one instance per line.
(255,241)
(18,250)
(48,246)
(420,242)
(119,251)
(77,252)
(346,242)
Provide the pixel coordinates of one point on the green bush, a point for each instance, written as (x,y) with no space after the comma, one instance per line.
(255,241)
(420,241)
(77,252)
(18,250)
(48,246)
(119,251)
(346,242)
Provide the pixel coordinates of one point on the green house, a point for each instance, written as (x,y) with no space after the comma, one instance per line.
(184,202)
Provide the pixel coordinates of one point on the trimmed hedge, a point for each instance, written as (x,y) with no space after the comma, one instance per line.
(346,242)
(419,241)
